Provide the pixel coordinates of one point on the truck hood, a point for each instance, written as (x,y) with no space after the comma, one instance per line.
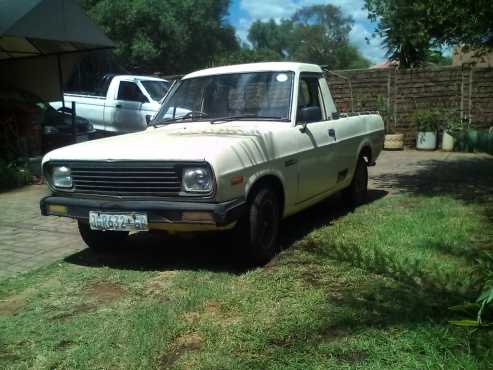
(192,141)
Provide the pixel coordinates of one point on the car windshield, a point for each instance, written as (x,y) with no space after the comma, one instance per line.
(156,89)
(263,95)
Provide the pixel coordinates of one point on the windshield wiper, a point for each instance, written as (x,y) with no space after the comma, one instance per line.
(243,116)
(192,114)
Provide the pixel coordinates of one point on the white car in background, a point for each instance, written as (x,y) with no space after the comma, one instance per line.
(121,104)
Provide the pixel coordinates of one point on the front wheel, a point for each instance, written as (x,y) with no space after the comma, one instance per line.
(258,230)
(355,194)
(101,240)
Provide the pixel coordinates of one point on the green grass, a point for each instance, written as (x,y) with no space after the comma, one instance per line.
(369,289)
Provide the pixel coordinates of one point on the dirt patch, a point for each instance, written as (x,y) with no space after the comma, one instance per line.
(352,356)
(334,333)
(160,285)
(13,304)
(182,345)
(211,311)
(105,292)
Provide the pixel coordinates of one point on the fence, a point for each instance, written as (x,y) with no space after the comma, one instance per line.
(466,91)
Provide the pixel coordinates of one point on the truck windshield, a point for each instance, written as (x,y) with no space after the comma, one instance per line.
(263,95)
(156,89)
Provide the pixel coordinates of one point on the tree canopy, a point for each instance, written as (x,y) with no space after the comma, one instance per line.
(169,36)
(314,34)
(178,36)
(411,29)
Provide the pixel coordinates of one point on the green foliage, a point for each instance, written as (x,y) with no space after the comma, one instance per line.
(482,309)
(455,126)
(13,175)
(412,29)
(246,55)
(428,120)
(165,35)
(314,34)
(436,57)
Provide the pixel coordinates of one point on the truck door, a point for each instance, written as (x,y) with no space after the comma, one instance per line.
(316,141)
(124,112)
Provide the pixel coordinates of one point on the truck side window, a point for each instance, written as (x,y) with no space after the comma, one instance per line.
(310,94)
(130,91)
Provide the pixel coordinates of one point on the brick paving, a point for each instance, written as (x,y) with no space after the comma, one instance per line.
(29,240)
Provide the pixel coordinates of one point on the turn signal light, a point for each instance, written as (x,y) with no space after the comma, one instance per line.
(197,217)
(57,209)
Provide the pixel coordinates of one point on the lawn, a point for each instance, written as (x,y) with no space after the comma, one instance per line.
(368,289)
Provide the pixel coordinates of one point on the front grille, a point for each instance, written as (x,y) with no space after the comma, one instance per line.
(127,178)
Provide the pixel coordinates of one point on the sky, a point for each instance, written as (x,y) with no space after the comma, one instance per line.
(243,12)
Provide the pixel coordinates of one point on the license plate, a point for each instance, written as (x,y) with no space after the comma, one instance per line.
(117,221)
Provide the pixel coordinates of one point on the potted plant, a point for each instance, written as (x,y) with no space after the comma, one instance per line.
(453,129)
(393,140)
(427,123)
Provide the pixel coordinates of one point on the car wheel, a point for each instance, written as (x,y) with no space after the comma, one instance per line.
(101,240)
(355,194)
(258,230)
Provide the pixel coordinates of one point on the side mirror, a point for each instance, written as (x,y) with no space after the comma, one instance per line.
(336,115)
(310,114)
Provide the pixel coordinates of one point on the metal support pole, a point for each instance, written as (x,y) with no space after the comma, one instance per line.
(74,123)
(60,78)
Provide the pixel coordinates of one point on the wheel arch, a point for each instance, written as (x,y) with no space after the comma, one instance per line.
(366,152)
(267,179)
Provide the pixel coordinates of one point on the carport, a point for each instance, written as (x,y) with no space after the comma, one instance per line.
(41,41)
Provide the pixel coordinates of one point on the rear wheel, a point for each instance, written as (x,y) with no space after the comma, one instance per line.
(355,194)
(101,240)
(258,230)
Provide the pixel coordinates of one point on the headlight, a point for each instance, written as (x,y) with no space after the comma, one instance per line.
(197,180)
(62,177)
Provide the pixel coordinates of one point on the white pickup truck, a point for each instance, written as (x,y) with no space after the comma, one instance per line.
(251,144)
(121,103)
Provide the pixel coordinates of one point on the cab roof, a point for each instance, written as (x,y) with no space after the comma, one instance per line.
(257,67)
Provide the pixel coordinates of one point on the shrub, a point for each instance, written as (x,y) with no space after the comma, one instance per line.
(428,120)
(13,174)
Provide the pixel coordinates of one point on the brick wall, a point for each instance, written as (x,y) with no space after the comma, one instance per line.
(466,91)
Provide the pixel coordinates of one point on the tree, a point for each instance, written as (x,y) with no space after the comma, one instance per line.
(316,34)
(169,36)
(412,29)
(271,36)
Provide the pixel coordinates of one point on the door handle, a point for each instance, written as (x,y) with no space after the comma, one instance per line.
(332,133)
(118,106)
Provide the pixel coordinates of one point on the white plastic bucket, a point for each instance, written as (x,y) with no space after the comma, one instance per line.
(447,142)
(426,140)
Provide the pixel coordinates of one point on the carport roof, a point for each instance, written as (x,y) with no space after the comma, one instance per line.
(46,27)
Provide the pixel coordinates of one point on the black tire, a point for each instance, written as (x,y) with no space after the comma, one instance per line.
(355,194)
(101,240)
(258,229)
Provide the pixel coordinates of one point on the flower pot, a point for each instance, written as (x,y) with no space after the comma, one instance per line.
(447,142)
(426,140)
(394,142)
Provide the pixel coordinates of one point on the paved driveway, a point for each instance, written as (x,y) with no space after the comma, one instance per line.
(28,240)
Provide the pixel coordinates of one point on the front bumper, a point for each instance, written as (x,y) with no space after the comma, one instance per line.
(161,214)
